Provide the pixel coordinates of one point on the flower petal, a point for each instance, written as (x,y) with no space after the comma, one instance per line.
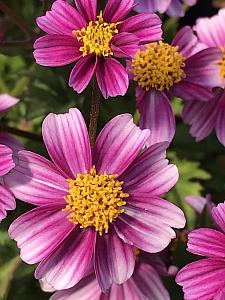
(220,120)
(10,141)
(206,242)
(56,50)
(112,78)
(175,9)
(118,144)
(157,115)
(116,10)
(62,19)
(147,27)
(6,160)
(35,180)
(66,139)
(151,5)
(40,231)
(69,263)
(87,8)
(202,279)
(218,216)
(82,73)
(124,45)
(6,102)
(7,201)
(198,203)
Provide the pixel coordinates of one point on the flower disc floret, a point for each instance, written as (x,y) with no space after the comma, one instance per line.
(222,64)
(159,66)
(95,200)
(96,37)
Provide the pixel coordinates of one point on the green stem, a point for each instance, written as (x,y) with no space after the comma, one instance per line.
(94,114)
(22,133)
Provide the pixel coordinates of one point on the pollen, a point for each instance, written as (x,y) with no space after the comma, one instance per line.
(95,200)
(159,66)
(222,64)
(96,37)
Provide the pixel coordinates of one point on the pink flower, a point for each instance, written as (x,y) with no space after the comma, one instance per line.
(145,283)
(182,70)
(93,204)
(173,8)
(204,117)
(205,279)
(79,35)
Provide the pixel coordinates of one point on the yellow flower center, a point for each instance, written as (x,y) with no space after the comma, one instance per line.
(222,64)
(95,200)
(159,66)
(96,37)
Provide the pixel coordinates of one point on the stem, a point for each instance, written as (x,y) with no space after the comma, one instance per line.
(17,20)
(22,133)
(95,103)
(18,44)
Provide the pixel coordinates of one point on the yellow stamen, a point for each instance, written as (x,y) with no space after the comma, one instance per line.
(96,37)
(159,66)
(222,64)
(95,200)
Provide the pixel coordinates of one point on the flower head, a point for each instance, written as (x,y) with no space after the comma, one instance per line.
(94,39)
(205,278)
(93,204)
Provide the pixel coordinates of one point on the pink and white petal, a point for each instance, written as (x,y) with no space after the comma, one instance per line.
(201,116)
(198,203)
(86,289)
(149,234)
(157,115)
(202,279)
(40,231)
(166,212)
(68,264)
(188,90)
(101,263)
(148,163)
(147,27)
(151,5)
(118,144)
(36,180)
(121,258)
(175,9)
(83,72)
(220,120)
(7,201)
(116,10)
(124,45)
(66,139)
(46,287)
(211,31)
(127,290)
(203,68)
(149,283)
(6,160)
(87,8)
(112,78)
(187,42)
(218,216)
(206,242)
(61,19)
(56,50)
(10,141)
(6,102)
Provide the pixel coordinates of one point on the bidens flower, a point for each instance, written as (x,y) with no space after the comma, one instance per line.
(93,204)
(161,70)
(205,279)
(93,40)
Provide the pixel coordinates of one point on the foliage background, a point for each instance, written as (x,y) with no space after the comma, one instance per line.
(43,90)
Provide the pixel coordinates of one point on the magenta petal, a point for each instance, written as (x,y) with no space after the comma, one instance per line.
(147,27)
(62,19)
(220,121)
(124,45)
(56,50)
(112,78)
(68,264)
(218,215)
(40,231)
(206,242)
(6,160)
(36,180)
(10,141)
(152,5)
(202,279)
(198,203)
(220,295)
(7,201)
(157,115)
(82,73)
(116,10)
(6,102)
(175,9)
(122,258)
(66,139)
(87,8)
(118,144)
